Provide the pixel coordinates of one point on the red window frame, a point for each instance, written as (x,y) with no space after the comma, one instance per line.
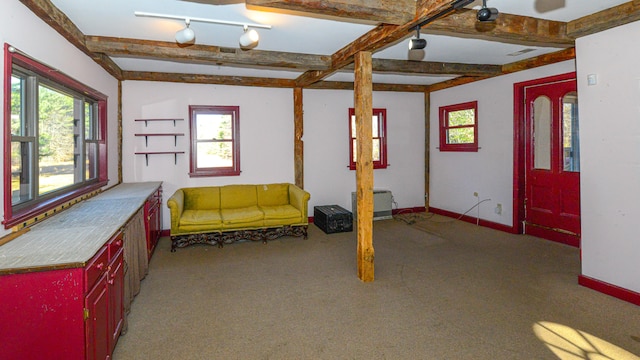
(23,213)
(234,169)
(445,144)
(382,137)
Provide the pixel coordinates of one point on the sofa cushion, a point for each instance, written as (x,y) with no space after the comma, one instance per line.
(282,212)
(238,196)
(273,194)
(247,215)
(202,198)
(200,217)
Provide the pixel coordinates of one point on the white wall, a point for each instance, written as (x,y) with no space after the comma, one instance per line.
(610,155)
(326,147)
(266,139)
(47,46)
(455,176)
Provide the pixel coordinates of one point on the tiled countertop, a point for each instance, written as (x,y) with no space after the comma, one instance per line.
(72,237)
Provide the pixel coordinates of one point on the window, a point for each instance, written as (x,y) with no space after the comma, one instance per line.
(379,135)
(215,140)
(56,150)
(459,127)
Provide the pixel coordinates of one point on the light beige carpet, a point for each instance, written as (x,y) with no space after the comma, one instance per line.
(444,289)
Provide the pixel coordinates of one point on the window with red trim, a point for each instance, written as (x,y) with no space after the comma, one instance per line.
(55,138)
(379,135)
(459,127)
(215,140)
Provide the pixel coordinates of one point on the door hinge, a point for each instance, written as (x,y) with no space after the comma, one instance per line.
(86,314)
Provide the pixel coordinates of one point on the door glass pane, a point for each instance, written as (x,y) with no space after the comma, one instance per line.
(542,133)
(570,137)
(56,143)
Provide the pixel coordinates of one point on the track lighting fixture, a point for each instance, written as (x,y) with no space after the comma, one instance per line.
(186,35)
(248,40)
(487,14)
(417,43)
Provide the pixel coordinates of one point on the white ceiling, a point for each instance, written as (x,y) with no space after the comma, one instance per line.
(302,34)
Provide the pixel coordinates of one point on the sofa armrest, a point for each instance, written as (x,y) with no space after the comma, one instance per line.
(176,206)
(299,199)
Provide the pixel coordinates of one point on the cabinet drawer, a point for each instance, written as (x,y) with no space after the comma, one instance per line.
(115,245)
(96,267)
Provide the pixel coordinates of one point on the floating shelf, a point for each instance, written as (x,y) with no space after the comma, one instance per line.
(146,154)
(146,120)
(175,137)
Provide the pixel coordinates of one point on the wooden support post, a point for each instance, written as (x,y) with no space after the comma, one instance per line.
(363,93)
(298,144)
(427,145)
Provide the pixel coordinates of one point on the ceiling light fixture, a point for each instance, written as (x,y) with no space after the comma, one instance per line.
(248,40)
(186,35)
(417,43)
(487,14)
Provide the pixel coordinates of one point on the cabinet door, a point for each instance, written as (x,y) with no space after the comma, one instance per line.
(116,296)
(97,322)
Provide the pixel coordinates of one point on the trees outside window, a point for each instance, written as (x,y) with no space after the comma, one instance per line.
(459,127)
(215,140)
(57,145)
(379,136)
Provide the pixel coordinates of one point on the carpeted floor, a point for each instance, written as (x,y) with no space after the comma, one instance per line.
(444,289)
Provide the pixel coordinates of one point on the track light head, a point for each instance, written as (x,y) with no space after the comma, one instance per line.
(249,39)
(417,43)
(487,14)
(186,35)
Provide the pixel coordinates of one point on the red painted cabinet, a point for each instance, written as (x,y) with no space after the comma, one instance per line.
(153,219)
(74,313)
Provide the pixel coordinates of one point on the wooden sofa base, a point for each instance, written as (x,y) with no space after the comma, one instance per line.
(229,237)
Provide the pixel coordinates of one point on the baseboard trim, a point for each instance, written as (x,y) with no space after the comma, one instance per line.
(609,289)
(166,232)
(473,220)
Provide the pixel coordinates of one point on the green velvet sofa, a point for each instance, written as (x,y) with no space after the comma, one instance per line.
(218,215)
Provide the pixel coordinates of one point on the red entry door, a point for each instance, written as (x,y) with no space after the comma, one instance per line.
(552,162)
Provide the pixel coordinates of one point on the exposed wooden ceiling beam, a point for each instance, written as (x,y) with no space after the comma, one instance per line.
(395,12)
(507,28)
(430,68)
(605,19)
(257,81)
(202,54)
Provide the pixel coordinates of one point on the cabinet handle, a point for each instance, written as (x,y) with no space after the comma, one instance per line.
(110,282)
(100,266)
(119,243)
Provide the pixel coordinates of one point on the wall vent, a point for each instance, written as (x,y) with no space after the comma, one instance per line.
(382,200)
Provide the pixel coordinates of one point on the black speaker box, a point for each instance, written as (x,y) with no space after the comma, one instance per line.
(332,219)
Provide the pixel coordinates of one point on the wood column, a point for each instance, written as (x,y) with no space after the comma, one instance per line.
(298,144)
(427,146)
(119,132)
(363,93)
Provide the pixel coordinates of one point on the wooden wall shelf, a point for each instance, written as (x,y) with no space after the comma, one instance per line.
(146,120)
(146,154)
(146,137)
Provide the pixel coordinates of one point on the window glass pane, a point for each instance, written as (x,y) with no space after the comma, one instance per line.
(542,133)
(460,136)
(17,103)
(20,172)
(376,150)
(375,127)
(462,117)
(56,140)
(570,137)
(353,126)
(214,126)
(88,122)
(214,154)
(91,160)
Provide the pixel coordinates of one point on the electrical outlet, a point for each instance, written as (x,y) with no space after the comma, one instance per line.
(498,209)
(475,193)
